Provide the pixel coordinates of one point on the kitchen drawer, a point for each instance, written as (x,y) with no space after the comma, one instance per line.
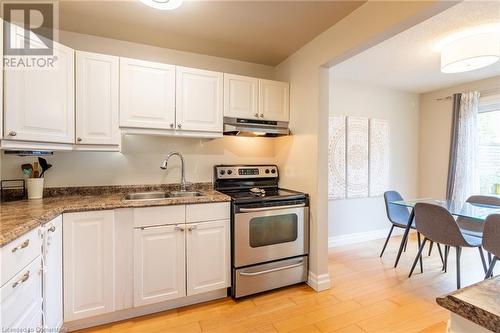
(19,253)
(208,212)
(154,216)
(21,299)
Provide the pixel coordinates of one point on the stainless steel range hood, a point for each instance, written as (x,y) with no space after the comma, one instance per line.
(251,127)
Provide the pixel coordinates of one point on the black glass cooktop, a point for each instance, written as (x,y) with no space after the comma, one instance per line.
(263,194)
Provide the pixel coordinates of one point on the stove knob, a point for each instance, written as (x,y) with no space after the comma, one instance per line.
(229,172)
(267,170)
(273,171)
(222,172)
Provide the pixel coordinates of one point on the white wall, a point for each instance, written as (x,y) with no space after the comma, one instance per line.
(141,156)
(304,156)
(401,109)
(435,135)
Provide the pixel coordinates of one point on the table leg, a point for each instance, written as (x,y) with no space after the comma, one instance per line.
(405,236)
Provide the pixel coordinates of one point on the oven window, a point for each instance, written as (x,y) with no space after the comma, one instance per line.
(270,230)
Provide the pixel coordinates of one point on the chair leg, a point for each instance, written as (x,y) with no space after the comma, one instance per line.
(421,262)
(440,253)
(419,256)
(406,244)
(459,252)
(446,252)
(489,258)
(387,241)
(430,248)
(482,259)
(489,273)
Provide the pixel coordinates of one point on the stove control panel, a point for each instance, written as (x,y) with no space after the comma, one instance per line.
(245,171)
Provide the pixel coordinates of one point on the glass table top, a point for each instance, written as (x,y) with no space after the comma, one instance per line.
(474,211)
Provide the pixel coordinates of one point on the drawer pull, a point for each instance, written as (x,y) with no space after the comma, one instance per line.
(52,229)
(23,279)
(272,270)
(22,246)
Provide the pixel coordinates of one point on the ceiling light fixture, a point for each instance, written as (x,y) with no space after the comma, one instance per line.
(163,4)
(470,52)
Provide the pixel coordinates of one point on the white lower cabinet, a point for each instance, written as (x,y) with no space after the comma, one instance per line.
(52,275)
(159,264)
(88,247)
(208,261)
(21,300)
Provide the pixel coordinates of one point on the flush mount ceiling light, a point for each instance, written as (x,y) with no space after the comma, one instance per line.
(470,52)
(163,4)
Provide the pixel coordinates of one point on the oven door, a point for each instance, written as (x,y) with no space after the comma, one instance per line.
(270,233)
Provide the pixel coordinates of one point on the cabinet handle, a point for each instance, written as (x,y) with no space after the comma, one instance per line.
(192,227)
(179,125)
(79,139)
(22,246)
(12,133)
(171,125)
(262,115)
(52,228)
(180,228)
(256,115)
(23,279)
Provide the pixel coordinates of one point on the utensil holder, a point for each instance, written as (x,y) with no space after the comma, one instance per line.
(35,188)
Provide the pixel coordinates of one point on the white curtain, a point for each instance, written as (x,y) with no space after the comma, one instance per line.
(463,179)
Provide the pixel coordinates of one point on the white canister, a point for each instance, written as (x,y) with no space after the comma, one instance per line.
(35,188)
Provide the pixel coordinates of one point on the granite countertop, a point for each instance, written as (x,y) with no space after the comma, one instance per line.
(479,303)
(22,216)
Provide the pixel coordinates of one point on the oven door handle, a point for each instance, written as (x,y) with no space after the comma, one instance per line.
(261,209)
(272,269)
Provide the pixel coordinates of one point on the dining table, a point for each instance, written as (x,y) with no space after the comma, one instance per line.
(473,211)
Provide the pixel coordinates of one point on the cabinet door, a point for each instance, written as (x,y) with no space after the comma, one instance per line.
(21,300)
(274,100)
(52,277)
(88,241)
(208,263)
(39,104)
(159,264)
(199,100)
(147,94)
(241,96)
(97,99)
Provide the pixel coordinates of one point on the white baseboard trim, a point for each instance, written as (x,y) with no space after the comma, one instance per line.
(359,237)
(319,282)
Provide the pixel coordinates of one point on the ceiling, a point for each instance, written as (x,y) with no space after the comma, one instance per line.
(263,32)
(410,62)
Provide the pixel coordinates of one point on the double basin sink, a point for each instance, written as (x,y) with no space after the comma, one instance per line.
(160,195)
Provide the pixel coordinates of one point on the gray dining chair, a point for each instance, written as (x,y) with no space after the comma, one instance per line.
(397,215)
(491,240)
(436,224)
(470,226)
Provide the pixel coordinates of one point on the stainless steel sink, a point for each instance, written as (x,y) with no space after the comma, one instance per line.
(146,196)
(176,194)
(160,195)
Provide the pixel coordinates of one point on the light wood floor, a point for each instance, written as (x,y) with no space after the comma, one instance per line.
(368,295)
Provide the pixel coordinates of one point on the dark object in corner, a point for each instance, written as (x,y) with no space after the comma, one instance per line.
(12,189)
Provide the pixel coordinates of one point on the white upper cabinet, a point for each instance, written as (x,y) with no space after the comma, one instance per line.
(39,104)
(159,264)
(88,261)
(274,100)
(199,101)
(241,96)
(97,99)
(147,94)
(208,261)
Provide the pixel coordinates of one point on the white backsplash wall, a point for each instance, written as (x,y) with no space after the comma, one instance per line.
(139,161)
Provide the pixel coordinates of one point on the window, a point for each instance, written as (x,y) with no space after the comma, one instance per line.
(489,145)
